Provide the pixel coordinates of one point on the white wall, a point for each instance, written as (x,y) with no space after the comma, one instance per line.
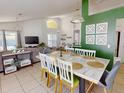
(67,27)
(120,25)
(14,26)
(33,28)
(38,28)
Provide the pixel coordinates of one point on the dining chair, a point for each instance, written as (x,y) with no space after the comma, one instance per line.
(66,75)
(84,52)
(44,65)
(107,79)
(69,49)
(116,60)
(52,67)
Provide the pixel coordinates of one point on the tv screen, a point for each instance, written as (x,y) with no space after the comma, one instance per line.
(31,40)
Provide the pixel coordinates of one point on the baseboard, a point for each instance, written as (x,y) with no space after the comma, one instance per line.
(36,62)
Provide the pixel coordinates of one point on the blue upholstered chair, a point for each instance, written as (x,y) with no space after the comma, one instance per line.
(107,79)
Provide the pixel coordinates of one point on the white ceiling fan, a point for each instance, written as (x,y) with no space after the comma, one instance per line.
(99,1)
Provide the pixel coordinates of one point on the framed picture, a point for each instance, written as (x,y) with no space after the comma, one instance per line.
(90,39)
(101,28)
(101,39)
(90,29)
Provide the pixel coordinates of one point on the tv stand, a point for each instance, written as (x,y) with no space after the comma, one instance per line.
(31,46)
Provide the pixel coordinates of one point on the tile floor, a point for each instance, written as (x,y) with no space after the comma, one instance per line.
(28,80)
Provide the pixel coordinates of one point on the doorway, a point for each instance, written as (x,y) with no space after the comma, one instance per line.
(119,51)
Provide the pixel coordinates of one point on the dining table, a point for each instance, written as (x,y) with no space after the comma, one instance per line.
(86,68)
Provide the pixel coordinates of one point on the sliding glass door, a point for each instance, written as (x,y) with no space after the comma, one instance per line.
(8,40)
(11,39)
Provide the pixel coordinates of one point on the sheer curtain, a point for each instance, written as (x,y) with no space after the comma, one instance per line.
(1,40)
(4,41)
(10,40)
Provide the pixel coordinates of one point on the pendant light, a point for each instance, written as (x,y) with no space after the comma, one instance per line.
(77,15)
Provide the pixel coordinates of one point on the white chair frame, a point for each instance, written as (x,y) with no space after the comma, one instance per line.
(69,49)
(44,66)
(84,52)
(43,62)
(64,69)
(52,67)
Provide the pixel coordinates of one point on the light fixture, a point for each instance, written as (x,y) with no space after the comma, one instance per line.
(17,21)
(77,15)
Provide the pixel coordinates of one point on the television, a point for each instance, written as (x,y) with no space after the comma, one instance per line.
(31,40)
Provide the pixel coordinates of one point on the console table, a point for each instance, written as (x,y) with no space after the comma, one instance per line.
(12,62)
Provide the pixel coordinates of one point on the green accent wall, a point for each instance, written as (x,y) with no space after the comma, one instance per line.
(108,16)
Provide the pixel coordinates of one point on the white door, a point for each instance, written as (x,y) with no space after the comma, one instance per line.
(121,47)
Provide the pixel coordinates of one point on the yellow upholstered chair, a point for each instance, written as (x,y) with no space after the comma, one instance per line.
(44,65)
(52,71)
(66,75)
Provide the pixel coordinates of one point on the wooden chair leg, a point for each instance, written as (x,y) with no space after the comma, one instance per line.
(112,87)
(56,82)
(105,91)
(48,80)
(42,74)
(72,90)
(60,90)
(90,87)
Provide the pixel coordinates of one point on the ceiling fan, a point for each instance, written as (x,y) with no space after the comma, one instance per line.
(99,1)
(77,17)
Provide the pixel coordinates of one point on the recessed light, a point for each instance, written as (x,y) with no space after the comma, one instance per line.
(20,14)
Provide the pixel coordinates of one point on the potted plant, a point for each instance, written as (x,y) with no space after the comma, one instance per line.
(42,45)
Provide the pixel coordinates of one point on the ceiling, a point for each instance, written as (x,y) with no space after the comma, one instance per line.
(30,9)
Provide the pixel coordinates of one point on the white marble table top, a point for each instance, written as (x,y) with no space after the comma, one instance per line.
(87,72)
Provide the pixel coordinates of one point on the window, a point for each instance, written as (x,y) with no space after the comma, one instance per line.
(11,39)
(1,40)
(52,40)
(8,40)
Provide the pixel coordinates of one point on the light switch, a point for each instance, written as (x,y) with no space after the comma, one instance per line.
(108,45)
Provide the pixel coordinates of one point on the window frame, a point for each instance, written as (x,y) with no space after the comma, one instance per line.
(4,40)
(15,37)
(53,41)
